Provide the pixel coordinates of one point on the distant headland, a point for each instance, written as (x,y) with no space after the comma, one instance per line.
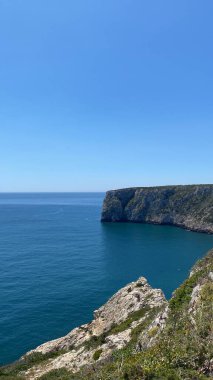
(186,206)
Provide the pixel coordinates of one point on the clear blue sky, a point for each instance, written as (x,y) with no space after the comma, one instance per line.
(98,94)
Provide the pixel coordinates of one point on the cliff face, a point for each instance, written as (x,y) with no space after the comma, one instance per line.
(188,206)
(137,334)
(110,330)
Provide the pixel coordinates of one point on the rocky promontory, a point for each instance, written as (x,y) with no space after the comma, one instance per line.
(137,334)
(110,330)
(187,206)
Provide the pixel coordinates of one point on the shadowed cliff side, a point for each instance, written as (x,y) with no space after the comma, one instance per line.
(189,206)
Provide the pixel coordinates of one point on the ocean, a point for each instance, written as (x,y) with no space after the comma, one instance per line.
(59,263)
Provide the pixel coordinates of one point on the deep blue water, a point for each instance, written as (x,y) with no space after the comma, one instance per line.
(59,263)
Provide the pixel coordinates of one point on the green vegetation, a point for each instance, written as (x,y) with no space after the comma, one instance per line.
(96,341)
(183,294)
(152,332)
(15,370)
(135,316)
(58,374)
(97,354)
(142,326)
(139,285)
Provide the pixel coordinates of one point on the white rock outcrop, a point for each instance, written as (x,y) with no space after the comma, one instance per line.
(74,347)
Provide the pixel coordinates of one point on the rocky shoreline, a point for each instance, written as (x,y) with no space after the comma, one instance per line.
(137,334)
(189,207)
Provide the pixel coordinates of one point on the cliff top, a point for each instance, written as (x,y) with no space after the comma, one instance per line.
(162,187)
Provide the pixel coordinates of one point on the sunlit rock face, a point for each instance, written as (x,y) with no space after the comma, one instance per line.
(110,330)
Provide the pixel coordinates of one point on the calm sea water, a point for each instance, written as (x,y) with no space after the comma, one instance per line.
(59,263)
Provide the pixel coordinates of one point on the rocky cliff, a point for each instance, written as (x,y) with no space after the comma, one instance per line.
(136,335)
(188,206)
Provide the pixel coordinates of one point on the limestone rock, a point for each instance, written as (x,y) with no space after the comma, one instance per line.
(135,297)
(189,206)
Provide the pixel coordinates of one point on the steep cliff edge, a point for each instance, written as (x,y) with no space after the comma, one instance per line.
(189,206)
(136,335)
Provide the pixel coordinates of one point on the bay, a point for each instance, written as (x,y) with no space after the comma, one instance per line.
(58,263)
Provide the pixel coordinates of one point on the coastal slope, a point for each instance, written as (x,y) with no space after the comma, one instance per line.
(188,206)
(137,334)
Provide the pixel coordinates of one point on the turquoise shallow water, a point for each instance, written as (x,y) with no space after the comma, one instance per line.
(59,263)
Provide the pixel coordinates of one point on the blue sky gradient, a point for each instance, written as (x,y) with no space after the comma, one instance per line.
(96,95)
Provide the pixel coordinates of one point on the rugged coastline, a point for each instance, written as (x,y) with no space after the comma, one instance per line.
(137,334)
(186,206)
